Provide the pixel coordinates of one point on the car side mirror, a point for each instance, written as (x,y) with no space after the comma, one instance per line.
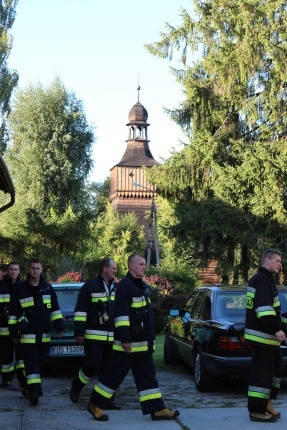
(185,316)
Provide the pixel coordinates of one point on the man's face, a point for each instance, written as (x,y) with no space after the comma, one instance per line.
(13,272)
(137,266)
(35,270)
(273,264)
(109,273)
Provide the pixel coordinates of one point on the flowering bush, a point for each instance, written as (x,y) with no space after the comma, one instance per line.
(163,299)
(160,282)
(70,277)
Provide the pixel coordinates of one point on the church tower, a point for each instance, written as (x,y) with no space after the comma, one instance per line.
(125,196)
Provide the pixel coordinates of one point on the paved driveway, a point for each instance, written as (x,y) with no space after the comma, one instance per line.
(222,409)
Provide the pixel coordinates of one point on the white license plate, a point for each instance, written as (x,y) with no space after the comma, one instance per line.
(66,350)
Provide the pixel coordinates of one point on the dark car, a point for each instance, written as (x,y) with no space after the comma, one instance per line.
(66,347)
(208,334)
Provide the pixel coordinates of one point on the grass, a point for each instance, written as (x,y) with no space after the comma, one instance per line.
(158,354)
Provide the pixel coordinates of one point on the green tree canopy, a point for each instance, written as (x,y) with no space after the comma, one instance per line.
(49,158)
(116,236)
(8,78)
(228,184)
(50,151)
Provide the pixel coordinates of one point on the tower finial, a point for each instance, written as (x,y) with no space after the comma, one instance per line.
(138,87)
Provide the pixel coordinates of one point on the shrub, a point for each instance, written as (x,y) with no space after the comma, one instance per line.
(70,277)
(162,303)
(159,281)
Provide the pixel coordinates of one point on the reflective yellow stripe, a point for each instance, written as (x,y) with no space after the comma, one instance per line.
(150,397)
(80,319)
(56,315)
(258,395)
(27,340)
(118,348)
(33,379)
(261,340)
(6,368)
(265,313)
(122,324)
(102,392)
(101,338)
(4,298)
(28,301)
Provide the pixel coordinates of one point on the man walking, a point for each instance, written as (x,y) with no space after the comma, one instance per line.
(94,325)
(8,287)
(263,330)
(133,347)
(32,309)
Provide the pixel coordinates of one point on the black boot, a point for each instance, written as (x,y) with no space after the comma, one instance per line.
(76,389)
(34,399)
(112,406)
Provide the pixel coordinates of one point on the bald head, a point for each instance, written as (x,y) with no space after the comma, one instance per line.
(137,265)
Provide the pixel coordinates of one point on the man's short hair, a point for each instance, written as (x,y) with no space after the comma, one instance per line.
(269,253)
(13,263)
(35,260)
(132,257)
(106,262)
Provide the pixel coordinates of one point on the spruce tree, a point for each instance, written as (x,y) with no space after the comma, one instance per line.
(228,184)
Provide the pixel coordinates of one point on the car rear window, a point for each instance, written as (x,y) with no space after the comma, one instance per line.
(230,304)
(67,298)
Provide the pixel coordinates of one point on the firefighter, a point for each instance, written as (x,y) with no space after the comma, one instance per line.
(94,325)
(8,286)
(132,349)
(263,330)
(32,309)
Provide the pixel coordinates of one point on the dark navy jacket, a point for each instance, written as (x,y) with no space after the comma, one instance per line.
(94,311)
(31,311)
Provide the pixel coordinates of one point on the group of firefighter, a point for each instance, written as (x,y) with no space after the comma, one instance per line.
(115,323)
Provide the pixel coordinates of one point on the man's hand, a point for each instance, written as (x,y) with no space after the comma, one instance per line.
(280,335)
(60,334)
(79,339)
(15,339)
(127,347)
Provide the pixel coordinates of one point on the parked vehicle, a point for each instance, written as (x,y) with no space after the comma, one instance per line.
(66,347)
(208,334)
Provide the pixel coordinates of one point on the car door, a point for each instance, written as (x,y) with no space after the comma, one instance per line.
(190,320)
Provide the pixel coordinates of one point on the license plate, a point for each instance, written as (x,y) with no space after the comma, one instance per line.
(66,350)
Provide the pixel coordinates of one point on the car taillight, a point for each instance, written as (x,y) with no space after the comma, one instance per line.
(231,343)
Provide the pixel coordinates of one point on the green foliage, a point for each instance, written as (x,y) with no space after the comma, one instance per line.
(114,236)
(227,187)
(163,298)
(99,195)
(49,158)
(51,143)
(176,264)
(8,78)
(162,303)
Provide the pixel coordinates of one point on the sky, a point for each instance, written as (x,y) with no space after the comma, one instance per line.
(97,49)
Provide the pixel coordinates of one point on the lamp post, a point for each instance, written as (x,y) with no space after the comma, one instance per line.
(152,225)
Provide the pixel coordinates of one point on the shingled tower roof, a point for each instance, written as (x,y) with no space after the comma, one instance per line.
(137,152)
